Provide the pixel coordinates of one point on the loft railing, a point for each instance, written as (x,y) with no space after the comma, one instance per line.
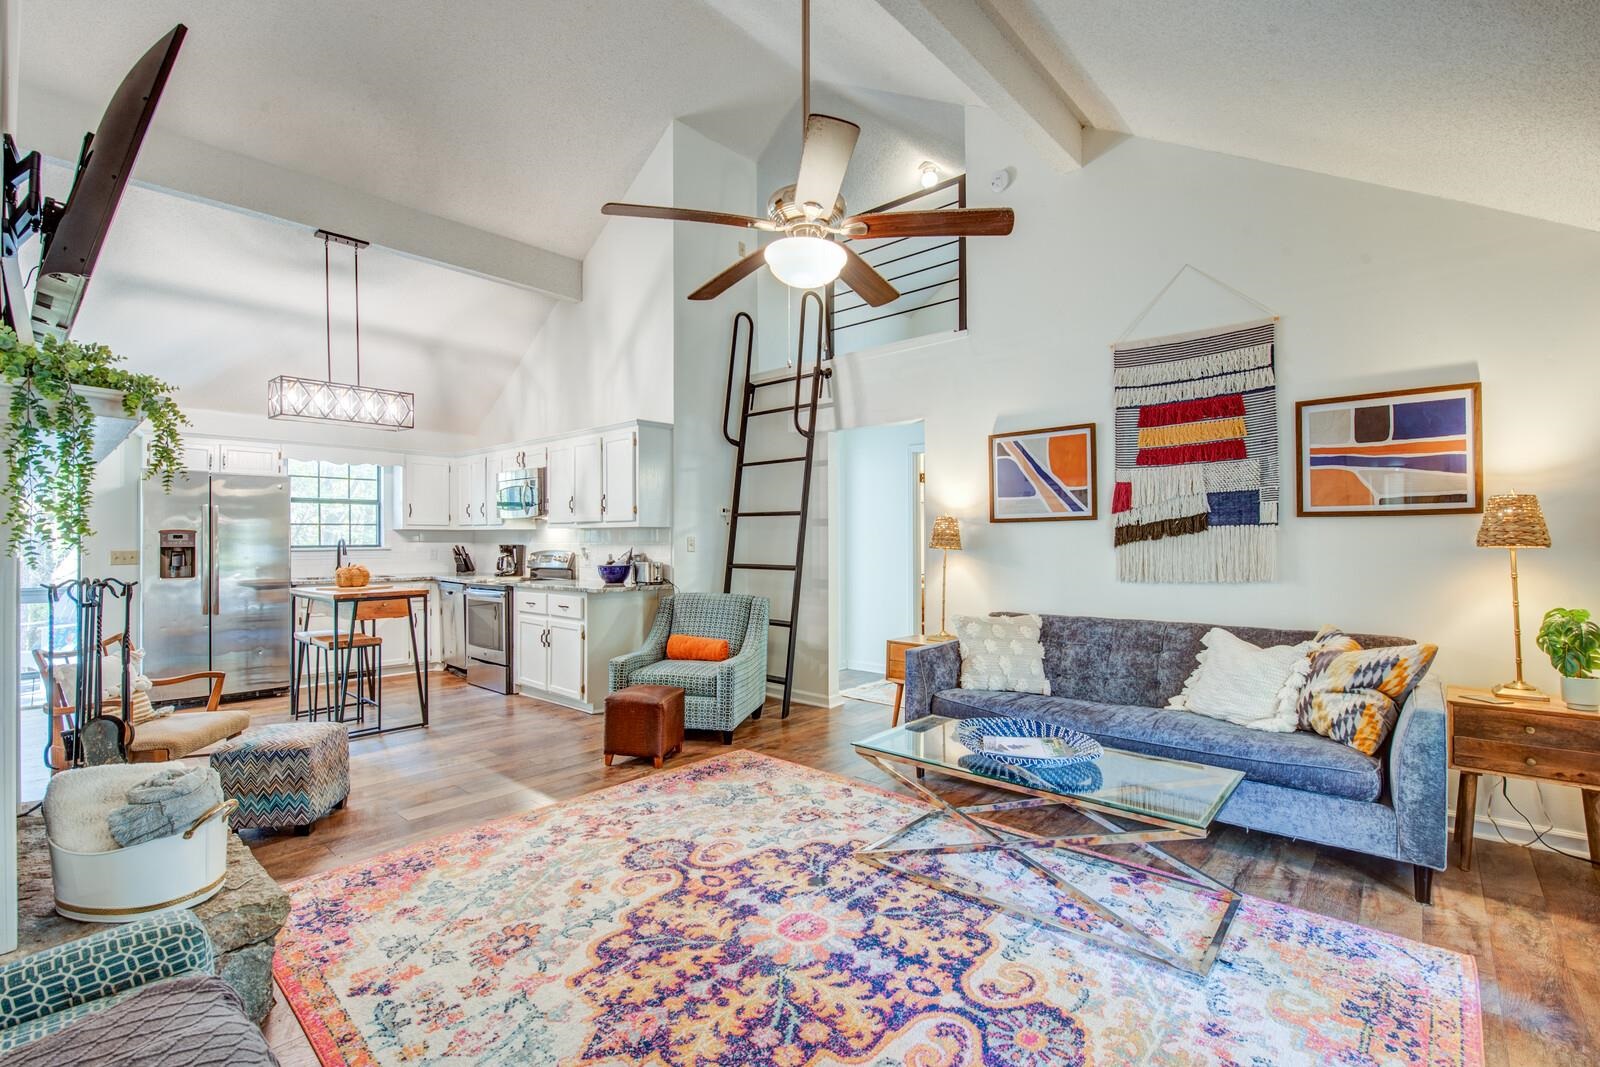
(930,272)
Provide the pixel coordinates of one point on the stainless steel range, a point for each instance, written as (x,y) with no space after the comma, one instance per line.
(488,611)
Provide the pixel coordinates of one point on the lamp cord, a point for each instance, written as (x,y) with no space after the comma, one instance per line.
(1538,834)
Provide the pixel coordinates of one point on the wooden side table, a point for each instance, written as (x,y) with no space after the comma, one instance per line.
(1538,742)
(894,665)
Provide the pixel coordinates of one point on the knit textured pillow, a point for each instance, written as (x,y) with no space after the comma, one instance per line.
(1355,696)
(1002,653)
(687,646)
(1241,683)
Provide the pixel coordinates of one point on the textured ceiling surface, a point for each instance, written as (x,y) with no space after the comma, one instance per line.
(1492,102)
(218,301)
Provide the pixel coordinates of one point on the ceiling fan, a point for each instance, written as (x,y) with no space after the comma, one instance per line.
(810,214)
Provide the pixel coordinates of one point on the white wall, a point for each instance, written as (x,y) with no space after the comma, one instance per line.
(608,357)
(1376,289)
(704,175)
(877,565)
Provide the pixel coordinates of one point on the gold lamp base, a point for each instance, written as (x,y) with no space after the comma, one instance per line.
(942,635)
(1519,690)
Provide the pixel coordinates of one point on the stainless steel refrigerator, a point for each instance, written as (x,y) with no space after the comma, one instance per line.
(214,581)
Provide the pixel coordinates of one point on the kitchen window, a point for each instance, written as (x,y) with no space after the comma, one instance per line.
(329,501)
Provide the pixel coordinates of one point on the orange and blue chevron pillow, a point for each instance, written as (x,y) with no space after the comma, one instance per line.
(1353,695)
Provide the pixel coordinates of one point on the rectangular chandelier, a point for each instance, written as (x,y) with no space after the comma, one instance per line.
(314,400)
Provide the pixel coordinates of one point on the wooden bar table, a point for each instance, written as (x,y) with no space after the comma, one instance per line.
(336,597)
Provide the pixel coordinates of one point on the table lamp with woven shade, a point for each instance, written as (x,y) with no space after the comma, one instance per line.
(1513,521)
(946,537)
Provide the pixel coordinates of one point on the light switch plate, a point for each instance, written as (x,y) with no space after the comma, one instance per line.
(125,557)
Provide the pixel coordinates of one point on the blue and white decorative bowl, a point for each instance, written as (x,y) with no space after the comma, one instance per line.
(971,732)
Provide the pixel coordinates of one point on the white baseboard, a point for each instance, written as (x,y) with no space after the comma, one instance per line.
(802,696)
(1517,832)
(875,666)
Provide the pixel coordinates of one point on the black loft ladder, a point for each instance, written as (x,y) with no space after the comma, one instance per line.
(806,433)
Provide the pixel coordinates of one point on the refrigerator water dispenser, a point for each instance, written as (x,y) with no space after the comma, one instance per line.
(177,554)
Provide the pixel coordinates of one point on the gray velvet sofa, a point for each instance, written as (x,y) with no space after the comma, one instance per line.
(1111,678)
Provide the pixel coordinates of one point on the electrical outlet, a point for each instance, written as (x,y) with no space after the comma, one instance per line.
(688,543)
(125,557)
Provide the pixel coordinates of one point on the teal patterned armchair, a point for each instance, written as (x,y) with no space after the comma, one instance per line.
(45,992)
(716,696)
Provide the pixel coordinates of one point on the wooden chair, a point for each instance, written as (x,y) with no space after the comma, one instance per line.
(170,737)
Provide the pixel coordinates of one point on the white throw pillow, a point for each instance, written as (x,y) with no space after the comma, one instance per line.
(1243,684)
(1002,653)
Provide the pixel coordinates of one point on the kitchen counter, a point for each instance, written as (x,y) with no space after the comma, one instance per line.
(557,585)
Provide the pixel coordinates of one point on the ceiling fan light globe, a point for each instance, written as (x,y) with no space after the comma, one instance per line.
(805,262)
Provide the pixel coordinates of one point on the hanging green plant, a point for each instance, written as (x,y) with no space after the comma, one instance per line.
(49,436)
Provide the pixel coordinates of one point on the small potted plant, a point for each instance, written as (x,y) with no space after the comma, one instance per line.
(1572,641)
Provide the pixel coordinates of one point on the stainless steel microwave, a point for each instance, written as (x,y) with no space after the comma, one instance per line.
(517,494)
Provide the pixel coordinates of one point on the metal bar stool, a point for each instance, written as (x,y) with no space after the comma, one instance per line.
(368,649)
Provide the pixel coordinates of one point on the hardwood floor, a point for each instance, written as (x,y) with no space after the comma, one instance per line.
(1532,919)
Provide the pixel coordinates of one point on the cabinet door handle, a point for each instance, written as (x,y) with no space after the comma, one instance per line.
(1530,761)
(408,510)
(602,503)
(572,504)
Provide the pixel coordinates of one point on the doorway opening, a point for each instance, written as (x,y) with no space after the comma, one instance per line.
(881,529)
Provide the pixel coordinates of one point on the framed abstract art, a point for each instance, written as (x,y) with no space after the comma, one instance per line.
(1402,452)
(1043,475)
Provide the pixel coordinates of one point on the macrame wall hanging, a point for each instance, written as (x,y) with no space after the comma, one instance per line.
(1196,493)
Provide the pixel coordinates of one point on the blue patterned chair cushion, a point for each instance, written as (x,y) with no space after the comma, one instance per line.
(697,678)
(44,992)
(723,615)
(286,774)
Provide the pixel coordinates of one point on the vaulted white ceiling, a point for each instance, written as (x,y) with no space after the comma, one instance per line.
(1492,102)
(507,123)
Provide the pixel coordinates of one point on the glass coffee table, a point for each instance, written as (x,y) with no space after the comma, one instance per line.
(1170,800)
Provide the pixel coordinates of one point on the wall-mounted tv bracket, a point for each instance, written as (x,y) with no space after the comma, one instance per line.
(21,216)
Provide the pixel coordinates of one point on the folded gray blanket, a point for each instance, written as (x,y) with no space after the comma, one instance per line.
(165,805)
(197,1020)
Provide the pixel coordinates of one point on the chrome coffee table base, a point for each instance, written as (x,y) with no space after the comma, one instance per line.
(889,852)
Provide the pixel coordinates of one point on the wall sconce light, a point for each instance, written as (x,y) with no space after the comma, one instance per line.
(929,172)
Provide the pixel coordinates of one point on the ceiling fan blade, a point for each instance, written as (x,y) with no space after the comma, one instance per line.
(728,278)
(686,214)
(866,282)
(951,222)
(823,160)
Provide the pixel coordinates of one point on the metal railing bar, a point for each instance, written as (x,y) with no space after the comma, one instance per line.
(903,292)
(907,274)
(912,197)
(892,314)
(919,252)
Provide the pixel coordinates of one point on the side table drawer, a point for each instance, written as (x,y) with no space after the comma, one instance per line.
(1522,726)
(894,665)
(1527,761)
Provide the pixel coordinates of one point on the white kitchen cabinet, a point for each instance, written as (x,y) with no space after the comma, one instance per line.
(561,492)
(425,496)
(565,641)
(588,476)
(199,457)
(619,456)
(565,638)
(238,458)
(531,654)
(476,480)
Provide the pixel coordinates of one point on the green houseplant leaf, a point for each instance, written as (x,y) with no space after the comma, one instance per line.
(48,439)
(1572,641)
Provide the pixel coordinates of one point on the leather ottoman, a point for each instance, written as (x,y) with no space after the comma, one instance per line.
(646,721)
(285,775)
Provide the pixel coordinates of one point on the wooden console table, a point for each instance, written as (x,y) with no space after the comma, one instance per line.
(1539,742)
(894,665)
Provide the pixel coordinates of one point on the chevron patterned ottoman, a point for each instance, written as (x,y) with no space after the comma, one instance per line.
(285,775)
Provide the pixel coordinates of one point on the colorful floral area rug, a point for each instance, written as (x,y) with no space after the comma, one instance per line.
(716,916)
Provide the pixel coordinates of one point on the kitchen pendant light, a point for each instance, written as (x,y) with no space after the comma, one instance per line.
(325,400)
(805,262)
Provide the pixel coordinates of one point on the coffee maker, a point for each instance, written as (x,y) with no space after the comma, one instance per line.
(509,563)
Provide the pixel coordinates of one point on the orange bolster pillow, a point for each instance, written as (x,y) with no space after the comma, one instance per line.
(687,646)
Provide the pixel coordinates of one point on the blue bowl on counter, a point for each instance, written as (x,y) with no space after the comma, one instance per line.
(615,573)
